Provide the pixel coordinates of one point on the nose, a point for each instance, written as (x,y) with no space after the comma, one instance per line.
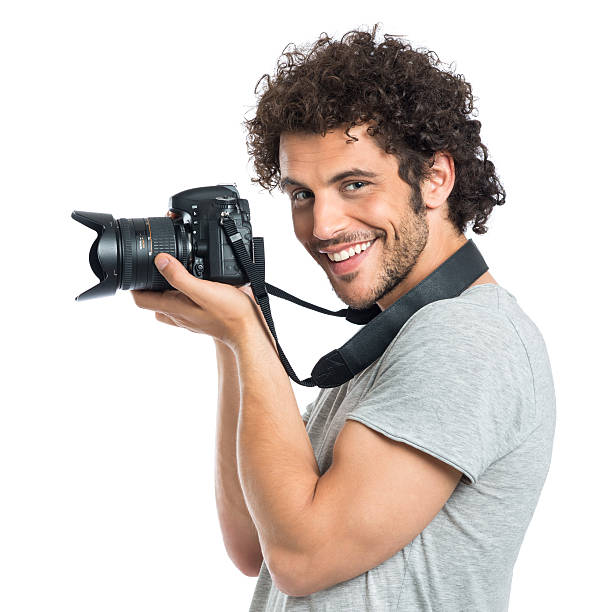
(329,218)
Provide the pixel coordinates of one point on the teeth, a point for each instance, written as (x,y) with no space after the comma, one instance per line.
(342,255)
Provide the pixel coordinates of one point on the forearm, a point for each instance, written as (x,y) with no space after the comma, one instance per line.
(276,463)
(239,533)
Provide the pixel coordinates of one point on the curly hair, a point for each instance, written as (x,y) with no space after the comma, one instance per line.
(414,109)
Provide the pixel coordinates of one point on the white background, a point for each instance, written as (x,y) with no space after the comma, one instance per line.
(108,416)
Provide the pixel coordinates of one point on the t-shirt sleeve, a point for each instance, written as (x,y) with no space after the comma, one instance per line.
(455,383)
(306,413)
(310,408)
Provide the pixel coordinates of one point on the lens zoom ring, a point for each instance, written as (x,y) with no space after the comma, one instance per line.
(128,239)
(164,241)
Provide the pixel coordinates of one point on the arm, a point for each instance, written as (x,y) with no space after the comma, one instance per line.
(239,533)
(276,463)
(375,498)
(317,531)
(240,536)
(389,491)
(277,469)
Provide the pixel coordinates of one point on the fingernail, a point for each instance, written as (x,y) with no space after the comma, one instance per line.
(161,262)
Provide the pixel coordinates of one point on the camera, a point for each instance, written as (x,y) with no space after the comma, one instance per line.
(122,254)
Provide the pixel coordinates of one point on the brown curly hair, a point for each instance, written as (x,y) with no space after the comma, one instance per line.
(413,107)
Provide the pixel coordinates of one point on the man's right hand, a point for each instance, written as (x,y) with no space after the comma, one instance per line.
(245,289)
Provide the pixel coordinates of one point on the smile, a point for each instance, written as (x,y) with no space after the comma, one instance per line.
(348,260)
(342,255)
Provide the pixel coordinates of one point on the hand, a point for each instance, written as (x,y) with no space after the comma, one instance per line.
(226,313)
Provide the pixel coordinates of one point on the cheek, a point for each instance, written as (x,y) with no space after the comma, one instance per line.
(379,215)
(302,226)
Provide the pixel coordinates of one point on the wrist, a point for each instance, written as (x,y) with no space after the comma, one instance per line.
(255,339)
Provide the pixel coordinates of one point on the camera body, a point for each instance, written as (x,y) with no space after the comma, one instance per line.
(123,253)
(201,209)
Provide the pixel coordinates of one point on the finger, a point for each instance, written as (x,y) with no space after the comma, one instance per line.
(178,276)
(170,301)
(160,316)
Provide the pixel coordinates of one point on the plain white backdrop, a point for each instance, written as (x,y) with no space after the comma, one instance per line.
(108,416)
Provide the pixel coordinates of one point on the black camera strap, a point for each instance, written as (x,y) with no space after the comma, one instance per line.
(448,280)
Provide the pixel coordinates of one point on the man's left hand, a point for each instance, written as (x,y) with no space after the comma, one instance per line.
(216,309)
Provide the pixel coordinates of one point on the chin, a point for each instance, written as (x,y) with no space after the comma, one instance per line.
(347,292)
(356,300)
(361,305)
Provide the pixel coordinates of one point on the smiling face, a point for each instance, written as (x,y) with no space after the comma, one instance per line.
(344,196)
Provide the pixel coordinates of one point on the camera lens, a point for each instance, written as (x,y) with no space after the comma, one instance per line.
(140,241)
(122,255)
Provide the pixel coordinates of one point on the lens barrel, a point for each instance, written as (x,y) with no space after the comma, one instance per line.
(122,255)
(140,241)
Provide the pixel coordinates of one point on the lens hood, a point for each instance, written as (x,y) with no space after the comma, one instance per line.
(104,253)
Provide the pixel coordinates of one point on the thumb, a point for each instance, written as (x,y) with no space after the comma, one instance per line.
(162,260)
(177,275)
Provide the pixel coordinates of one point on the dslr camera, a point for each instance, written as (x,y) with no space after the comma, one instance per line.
(122,254)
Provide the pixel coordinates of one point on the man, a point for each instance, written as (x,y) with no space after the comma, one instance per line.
(413,484)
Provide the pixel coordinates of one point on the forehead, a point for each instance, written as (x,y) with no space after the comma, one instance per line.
(305,155)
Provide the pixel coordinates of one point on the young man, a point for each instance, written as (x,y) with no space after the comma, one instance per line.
(412,485)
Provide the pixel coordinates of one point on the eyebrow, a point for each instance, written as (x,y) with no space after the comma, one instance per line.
(334,179)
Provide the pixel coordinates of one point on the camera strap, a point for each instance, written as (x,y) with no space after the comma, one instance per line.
(448,280)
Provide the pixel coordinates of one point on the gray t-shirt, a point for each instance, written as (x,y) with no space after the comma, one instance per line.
(466,380)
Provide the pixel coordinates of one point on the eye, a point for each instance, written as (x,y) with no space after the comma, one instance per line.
(360,183)
(300,194)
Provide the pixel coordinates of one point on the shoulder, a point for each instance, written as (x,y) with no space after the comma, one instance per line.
(466,348)
(478,320)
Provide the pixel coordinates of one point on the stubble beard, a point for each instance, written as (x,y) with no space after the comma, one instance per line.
(398,259)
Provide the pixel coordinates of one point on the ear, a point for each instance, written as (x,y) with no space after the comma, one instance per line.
(438,187)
